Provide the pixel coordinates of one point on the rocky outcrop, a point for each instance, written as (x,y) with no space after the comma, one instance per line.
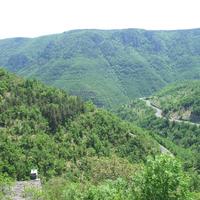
(19,187)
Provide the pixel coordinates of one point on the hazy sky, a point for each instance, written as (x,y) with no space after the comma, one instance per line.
(39,17)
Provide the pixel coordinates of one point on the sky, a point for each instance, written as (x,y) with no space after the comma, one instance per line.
(31,18)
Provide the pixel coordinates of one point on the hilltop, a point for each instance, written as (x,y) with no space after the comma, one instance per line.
(109,67)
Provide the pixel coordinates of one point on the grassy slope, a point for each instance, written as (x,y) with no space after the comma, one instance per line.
(109,67)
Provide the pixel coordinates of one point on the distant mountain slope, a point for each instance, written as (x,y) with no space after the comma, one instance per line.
(108,67)
(180,103)
(180,100)
(44,128)
(182,139)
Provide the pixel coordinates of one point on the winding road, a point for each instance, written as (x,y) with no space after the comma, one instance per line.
(159,112)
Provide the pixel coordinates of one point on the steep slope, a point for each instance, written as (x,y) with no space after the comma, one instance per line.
(108,67)
(44,128)
(180,101)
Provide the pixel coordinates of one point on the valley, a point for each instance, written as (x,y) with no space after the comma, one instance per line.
(109,67)
(102,115)
(79,148)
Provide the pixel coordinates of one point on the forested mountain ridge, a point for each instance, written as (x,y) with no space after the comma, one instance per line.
(107,66)
(44,128)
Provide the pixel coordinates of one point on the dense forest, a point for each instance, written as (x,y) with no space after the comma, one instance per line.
(44,127)
(109,67)
(60,135)
(84,152)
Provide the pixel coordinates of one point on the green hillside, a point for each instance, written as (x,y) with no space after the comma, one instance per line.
(177,101)
(180,101)
(45,128)
(181,139)
(81,152)
(109,67)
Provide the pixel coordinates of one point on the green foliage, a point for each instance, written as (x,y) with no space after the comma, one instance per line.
(180,100)
(161,178)
(103,131)
(181,139)
(136,112)
(32,193)
(111,168)
(44,128)
(107,67)
(98,169)
(5,183)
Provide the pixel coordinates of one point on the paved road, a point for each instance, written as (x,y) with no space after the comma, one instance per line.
(159,113)
(18,188)
(158,110)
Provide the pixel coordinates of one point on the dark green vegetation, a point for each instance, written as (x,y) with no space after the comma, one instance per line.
(45,128)
(180,100)
(107,67)
(81,151)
